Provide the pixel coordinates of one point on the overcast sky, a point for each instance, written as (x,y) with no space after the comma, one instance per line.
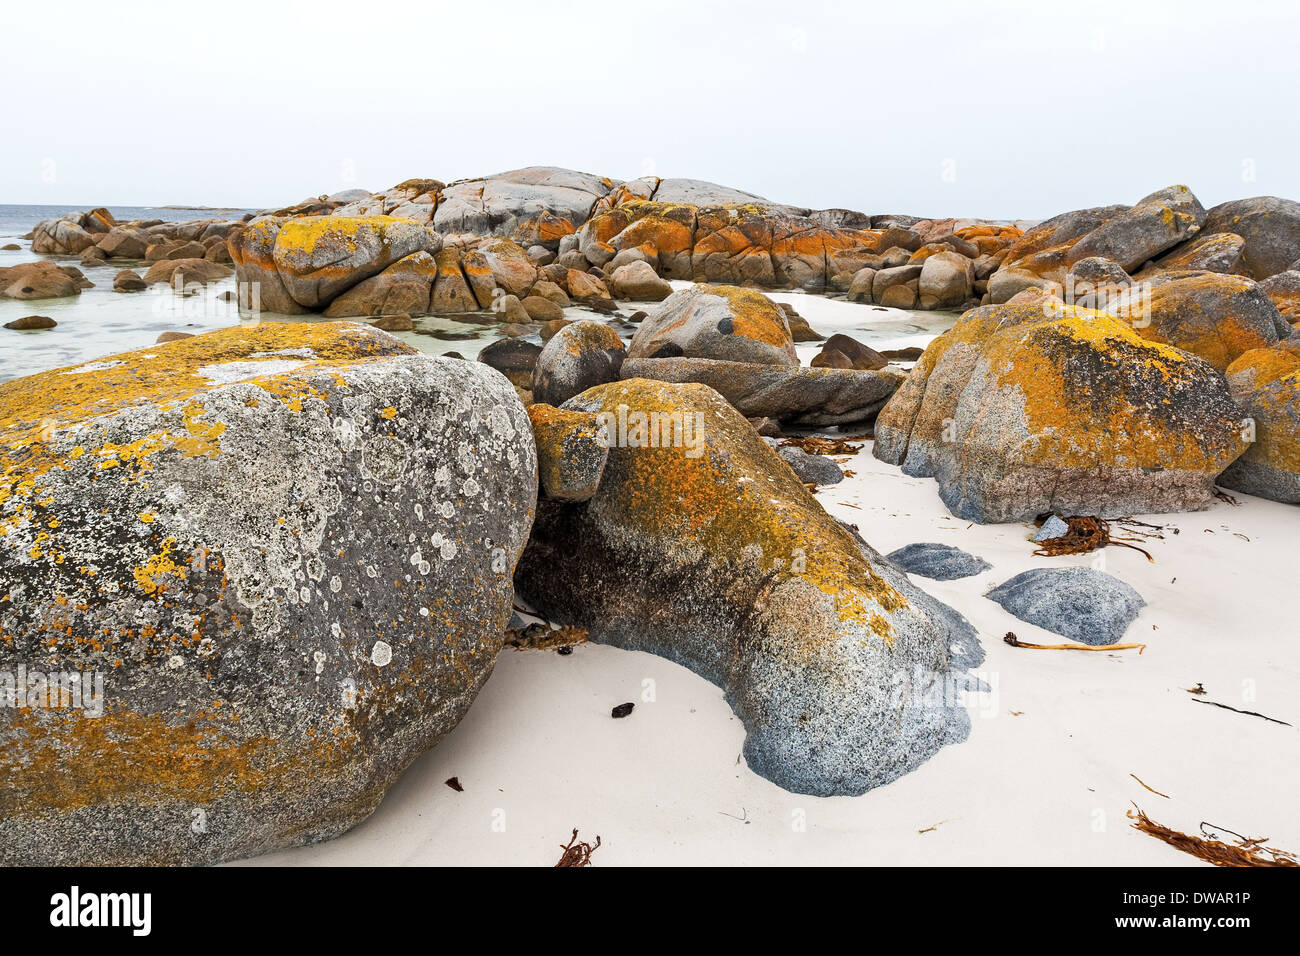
(1001,109)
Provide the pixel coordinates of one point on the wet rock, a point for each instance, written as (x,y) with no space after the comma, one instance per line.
(31,323)
(1083,604)
(800,330)
(401,322)
(513,358)
(939,562)
(575,359)
(269,610)
(37,280)
(165,337)
(862,357)
(572,448)
(708,551)
(831,358)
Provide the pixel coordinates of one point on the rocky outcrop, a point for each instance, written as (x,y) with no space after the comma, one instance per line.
(1036,406)
(701,545)
(279,561)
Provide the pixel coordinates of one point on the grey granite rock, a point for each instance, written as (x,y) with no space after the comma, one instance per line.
(1083,604)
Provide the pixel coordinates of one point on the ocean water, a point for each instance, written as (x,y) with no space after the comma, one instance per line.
(100,322)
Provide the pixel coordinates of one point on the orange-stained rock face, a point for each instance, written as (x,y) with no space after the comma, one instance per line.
(1266,383)
(1217,317)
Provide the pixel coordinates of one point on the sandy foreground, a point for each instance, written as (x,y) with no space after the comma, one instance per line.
(1046,776)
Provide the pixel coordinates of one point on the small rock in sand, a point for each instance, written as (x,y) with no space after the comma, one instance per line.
(1083,604)
(1053,527)
(939,562)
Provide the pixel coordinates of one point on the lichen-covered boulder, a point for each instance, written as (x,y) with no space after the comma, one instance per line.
(451,289)
(1156,223)
(1266,383)
(1284,290)
(572,448)
(1215,316)
(701,546)
(1083,604)
(791,393)
(1211,252)
(1035,406)
(716,322)
(405,286)
(1269,226)
(576,358)
(252,250)
(319,257)
(281,556)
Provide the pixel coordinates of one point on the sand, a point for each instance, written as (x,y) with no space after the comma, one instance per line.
(1044,778)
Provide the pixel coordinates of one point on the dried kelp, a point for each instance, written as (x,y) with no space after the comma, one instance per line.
(816,445)
(1089,533)
(1244,852)
(577,853)
(1014,641)
(540,637)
